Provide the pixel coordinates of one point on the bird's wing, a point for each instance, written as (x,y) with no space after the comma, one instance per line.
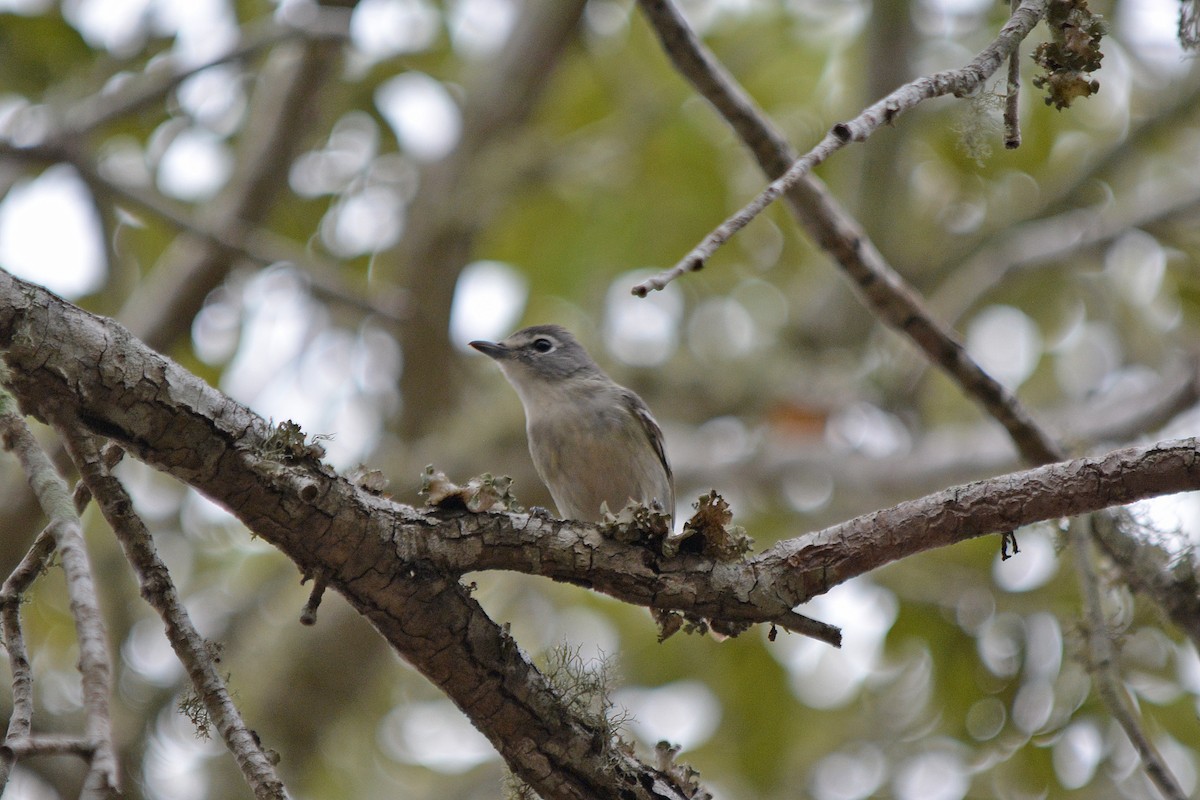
(639,410)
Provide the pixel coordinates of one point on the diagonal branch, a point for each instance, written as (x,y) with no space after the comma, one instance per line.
(61,357)
(353,537)
(64,529)
(885,291)
(960,83)
(159,591)
(1101,660)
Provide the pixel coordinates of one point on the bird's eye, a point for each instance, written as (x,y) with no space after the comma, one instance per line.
(543,345)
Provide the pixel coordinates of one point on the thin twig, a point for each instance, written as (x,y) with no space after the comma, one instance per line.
(64,527)
(159,591)
(308,616)
(960,83)
(1012,97)
(21,722)
(52,745)
(807,626)
(18,741)
(884,290)
(1102,664)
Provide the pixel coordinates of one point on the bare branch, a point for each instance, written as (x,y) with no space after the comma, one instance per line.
(159,591)
(960,83)
(65,529)
(51,745)
(888,295)
(1101,662)
(17,741)
(1012,95)
(21,722)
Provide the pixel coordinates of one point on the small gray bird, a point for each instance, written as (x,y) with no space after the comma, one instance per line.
(592,441)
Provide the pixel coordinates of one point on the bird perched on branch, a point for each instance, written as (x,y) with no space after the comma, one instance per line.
(593,441)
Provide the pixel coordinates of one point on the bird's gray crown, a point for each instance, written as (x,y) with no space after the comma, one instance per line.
(548,352)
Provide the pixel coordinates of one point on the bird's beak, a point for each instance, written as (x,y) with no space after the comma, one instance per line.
(494,350)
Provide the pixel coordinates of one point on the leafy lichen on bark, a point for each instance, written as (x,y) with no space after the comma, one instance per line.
(1072,53)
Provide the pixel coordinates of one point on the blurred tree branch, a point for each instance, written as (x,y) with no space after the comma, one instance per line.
(456,196)
(284,111)
(146,89)
(1101,661)
(237,241)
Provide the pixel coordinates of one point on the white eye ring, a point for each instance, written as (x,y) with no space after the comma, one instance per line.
(543,345)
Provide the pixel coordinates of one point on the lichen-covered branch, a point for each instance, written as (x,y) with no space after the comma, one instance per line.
(60,357)
(359,534)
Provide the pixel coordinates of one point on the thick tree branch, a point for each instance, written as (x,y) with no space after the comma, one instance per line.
(397,565)
(791,572)
(113,400)
(60,357)
(886,292)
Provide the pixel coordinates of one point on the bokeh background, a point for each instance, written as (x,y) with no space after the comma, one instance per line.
(317,206)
